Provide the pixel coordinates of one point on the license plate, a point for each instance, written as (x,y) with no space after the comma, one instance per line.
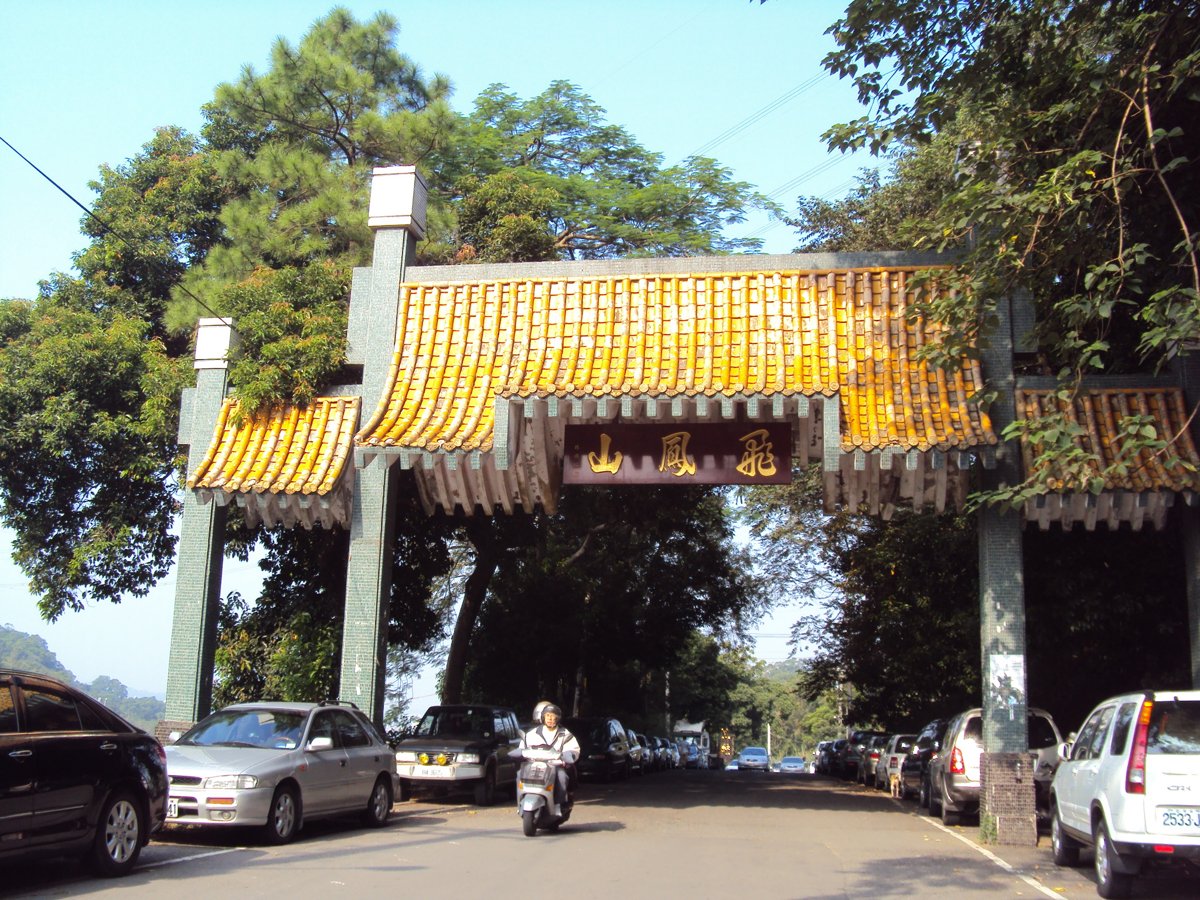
(1179,819)
(432,772)
(172,808)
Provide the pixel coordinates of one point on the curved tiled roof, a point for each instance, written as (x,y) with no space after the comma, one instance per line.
(1100,411)
(286,450)
(460,346)
(1136,490)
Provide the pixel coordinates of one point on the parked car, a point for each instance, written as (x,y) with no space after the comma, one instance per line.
(848,759)
(869,755)
(603,746)
(753,759)
(914,770)
(277,765)
(823,758)
(637,754)
(460,746)
(792,765)
(954,772)
(75,778)
(891,759)
(1129,786)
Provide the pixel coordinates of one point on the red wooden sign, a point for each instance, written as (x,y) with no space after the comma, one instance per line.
(679,453)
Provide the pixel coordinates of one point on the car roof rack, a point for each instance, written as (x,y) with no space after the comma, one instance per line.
(348,703)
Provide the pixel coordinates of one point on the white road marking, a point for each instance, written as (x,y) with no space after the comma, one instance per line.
(182,859)
(1007,867)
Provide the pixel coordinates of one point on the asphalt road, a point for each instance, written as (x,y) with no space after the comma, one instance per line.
(668,835)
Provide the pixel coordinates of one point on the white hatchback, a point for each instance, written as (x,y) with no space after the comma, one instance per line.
(1129,786)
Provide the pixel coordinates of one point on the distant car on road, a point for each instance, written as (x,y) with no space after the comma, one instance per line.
(792,765)
(754,759)
(75,778)
(277,765)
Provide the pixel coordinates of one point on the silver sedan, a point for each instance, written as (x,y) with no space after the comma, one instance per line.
(275,765)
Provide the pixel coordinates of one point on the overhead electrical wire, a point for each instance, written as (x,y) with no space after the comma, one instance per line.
(108,228)
(762,113)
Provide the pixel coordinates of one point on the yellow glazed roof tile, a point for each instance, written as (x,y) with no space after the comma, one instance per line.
(462,345)
(285,450)
(1100,412)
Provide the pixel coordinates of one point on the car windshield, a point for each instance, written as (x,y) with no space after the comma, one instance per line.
(754,751)
(456,723)
(1174,727)
(270,729)
(791,761)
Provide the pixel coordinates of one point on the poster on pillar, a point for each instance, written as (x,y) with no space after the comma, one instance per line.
(1006,682)
(678,453)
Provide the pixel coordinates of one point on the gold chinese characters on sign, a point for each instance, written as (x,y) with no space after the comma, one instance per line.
(702,453)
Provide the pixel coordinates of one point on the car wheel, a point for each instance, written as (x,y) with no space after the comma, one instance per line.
(1065,850)
(923,795)
(379,805)
(283,817)
(935,802)
(118,838)
(405,791)
(948,817)
(485,789)
(1109,882)
(529,822)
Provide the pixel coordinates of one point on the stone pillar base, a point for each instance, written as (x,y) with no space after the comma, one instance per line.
(163,729)
(1007,803)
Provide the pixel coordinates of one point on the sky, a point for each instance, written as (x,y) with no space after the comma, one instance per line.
(88,81)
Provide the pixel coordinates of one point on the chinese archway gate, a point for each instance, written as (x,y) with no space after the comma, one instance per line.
(497,384)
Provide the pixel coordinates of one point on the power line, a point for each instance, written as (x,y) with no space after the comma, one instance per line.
(108,228)
(762,113)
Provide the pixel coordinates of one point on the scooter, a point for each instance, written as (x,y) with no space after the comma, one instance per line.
(535,792)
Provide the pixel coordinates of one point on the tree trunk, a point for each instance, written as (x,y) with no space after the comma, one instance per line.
(487,558)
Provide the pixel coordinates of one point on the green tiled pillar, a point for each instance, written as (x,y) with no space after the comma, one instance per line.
(1007,799)
(397,215)
(201,541)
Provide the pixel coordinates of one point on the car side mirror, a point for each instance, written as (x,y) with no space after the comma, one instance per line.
(174,736)
(320,743)
(1064,750)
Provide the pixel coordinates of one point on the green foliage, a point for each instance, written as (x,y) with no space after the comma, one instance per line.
(296,145)
(1073,119)
(88,453)
(291,327)
(160,218)
(502,218)
(600,193)
(604,597)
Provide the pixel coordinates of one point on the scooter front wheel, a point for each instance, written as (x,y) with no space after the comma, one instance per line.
(529,822)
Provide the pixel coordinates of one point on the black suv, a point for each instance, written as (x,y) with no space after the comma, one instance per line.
(914,771)
(75,778)
(603,747)
(457,746)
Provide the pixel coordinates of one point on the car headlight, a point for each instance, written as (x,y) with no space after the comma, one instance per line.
(468,758)
(231,782)
(406,756)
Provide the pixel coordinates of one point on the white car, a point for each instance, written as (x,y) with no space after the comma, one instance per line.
(754,759)
(276,765)
(892,759)
(1129,786)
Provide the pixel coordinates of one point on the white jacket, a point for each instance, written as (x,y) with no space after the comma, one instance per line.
(560,739)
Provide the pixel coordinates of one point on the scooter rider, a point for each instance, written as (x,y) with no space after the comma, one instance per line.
(550,736)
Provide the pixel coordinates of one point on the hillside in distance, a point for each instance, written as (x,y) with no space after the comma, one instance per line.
(19,650)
